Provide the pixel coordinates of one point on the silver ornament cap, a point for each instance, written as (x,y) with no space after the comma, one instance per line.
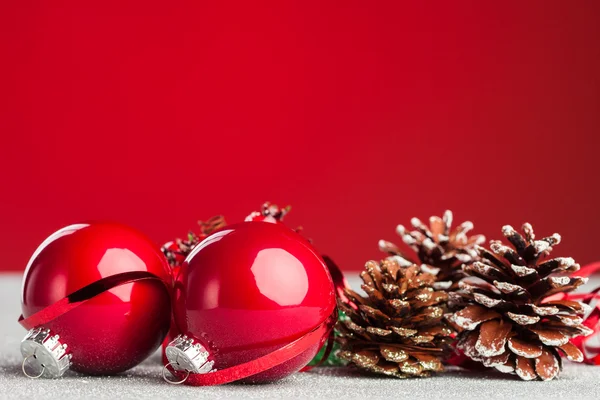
(45,353)
(186,354)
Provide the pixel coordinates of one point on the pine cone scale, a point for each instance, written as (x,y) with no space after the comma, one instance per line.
(472,315)
(546,366)
(524,367)
(572,352)
(524,348)
(393,354)
(492,339)
(551,337)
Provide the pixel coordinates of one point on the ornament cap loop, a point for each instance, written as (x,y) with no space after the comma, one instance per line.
(42,348)
(25,370)
(164,375)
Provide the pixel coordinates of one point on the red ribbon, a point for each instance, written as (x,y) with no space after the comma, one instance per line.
(326,353)
(261,364)
(82,295)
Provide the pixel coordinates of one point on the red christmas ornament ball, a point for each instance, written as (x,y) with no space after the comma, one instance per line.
(103,288)
(250,289)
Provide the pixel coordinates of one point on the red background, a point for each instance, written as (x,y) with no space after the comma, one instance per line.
(359,114)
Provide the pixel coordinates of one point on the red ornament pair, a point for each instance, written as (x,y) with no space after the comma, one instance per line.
(252,301)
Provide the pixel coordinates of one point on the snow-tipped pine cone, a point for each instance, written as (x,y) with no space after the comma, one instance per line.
(439,246)
(508,321)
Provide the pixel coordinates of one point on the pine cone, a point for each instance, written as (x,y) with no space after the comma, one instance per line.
(269,212)
(439,246)
(399,329)
(177,251)
(507,320)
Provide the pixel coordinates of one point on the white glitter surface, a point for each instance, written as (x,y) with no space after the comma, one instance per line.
(575,382)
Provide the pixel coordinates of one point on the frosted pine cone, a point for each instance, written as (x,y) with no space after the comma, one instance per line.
(507,320)
(269,212)
(399,328)
(438,246)
(176,251)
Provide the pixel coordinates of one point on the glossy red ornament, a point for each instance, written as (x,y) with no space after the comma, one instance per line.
(250,289)
(103,288)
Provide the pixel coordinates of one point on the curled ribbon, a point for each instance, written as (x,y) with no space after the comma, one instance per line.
(82,295)
(258,365)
